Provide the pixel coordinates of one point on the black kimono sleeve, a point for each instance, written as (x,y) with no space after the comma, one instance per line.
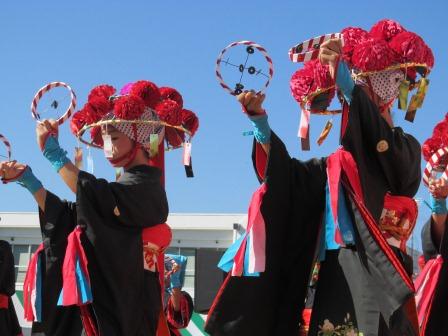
(387,158)
(292,208)
(56,223)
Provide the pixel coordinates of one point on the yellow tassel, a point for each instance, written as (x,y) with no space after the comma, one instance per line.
(154,144)
(323,135)
(417,99)
(403,94)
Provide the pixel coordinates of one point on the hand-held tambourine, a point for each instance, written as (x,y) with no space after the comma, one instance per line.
(244,67)
(309,49)
(55,104)
(434,162)
(5,141)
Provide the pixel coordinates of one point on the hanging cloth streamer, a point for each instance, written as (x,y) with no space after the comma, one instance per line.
(32,288)
(304,128)
(247,256)
(76,288)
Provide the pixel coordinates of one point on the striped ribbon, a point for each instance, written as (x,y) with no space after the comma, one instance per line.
(309,49)
(7,145)
(434,162)
(71,108)
(245,43)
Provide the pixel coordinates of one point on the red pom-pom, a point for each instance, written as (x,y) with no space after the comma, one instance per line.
(373,55)
(352,37)
(101,105)
(147,91)
(169,111)
(174,137)
(311,77)
(78,121)
(441,130)
(96,136)
(429,57)
(430,146)
(129,107)
(103,91)
(190,121)
(386,29)
(173,94)
(409,47)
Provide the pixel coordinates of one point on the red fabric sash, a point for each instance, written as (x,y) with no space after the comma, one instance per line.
(4,301)
(342,161)
(29,284)
(88,322)
(184,311)
(71,295)
(425,285)
(256,230)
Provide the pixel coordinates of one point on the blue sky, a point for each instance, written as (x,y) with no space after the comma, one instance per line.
(175,43)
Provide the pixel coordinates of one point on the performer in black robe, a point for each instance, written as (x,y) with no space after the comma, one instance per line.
(110,219)
(9,324)
(366,280)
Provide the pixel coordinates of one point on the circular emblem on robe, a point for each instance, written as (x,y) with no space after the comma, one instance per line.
(382,146)
(116,212)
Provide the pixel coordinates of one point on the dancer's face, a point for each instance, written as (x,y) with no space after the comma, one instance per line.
(121,144)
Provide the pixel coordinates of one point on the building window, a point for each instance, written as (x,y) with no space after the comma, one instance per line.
(22,255)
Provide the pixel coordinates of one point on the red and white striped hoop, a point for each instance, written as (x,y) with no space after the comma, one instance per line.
(47,88)
(7,145)
(309,49)
(434,162)
(236,91)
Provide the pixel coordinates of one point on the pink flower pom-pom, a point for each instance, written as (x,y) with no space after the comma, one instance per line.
(126,89)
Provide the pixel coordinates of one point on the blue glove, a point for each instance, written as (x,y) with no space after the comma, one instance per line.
(55,154)
(29,181)
(262,131)
(344,81)
(438,205)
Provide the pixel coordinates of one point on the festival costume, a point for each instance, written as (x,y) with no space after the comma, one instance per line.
(351,211)
(431,289)
(100,267)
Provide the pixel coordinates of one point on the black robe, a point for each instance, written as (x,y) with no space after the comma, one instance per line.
(436,324)
(9,324)
(293,209)
(126,298)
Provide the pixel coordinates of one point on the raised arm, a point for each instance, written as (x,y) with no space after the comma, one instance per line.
(439,193)
(13,171)
(47,139)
